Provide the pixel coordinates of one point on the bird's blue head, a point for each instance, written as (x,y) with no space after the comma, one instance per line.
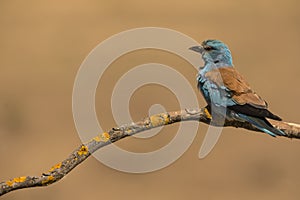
(214,52)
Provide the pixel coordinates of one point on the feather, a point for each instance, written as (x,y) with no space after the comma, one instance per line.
(236,85)
(224,87)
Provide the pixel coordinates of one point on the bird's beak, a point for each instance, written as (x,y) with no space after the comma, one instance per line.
(198,49)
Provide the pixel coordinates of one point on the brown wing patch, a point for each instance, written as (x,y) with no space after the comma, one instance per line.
(239,88)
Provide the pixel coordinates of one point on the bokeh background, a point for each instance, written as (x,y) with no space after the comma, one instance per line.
(43,43)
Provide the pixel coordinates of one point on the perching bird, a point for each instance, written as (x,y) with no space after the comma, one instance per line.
(224,87)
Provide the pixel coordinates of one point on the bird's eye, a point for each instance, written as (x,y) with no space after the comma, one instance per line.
(208,48)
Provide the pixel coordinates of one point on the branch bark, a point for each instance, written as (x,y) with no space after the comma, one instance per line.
(80,154)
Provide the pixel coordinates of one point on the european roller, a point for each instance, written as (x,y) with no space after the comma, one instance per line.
(224,87)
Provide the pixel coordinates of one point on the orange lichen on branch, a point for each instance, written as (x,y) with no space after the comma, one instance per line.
(48,180)
(83,150)
(160,119)
(57,166)
(61,169)
(104,137)
(97,138)
(16,180)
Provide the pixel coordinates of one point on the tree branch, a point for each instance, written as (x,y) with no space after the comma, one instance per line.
(61,169)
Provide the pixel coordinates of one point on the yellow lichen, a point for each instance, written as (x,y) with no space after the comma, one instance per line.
(20,179)
(48,180)
(9,183)
(83,150)
(104,137)
(160,119)
(208,115)
(57,166)
(166,118)
(16,180)
(97,139)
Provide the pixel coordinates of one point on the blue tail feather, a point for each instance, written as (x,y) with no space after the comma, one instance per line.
(263,125)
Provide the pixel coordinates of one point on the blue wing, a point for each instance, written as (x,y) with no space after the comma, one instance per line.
(225,88)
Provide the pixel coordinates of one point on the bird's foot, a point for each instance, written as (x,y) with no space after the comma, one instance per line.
(207,113)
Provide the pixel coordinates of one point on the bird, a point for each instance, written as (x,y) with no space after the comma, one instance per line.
(223,87)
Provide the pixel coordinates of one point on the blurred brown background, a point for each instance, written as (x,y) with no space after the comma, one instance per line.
(42,44)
